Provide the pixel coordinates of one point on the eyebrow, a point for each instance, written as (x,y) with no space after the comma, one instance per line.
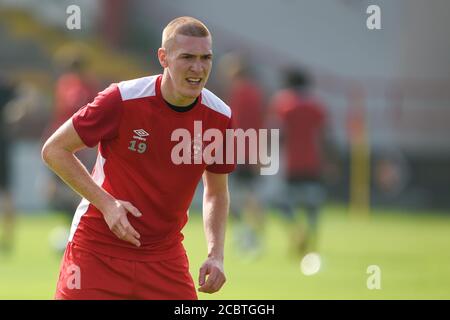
(193,55)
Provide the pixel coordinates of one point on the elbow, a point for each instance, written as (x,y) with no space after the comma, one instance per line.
(46,152)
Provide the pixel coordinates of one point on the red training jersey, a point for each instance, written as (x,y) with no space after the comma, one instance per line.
(133,125)
(245,99)
(302,120)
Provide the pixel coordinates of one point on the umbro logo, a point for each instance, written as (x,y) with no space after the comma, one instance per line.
(137,146)
(140,134)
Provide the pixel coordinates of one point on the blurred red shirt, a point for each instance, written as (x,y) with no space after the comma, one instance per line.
(72,92)
(302,119)
(246,100)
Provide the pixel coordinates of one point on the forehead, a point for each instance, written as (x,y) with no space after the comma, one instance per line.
(192,45)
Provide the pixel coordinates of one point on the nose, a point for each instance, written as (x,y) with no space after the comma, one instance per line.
(197,66)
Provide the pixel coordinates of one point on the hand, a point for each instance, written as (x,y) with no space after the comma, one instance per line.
(116,218)
(214,268)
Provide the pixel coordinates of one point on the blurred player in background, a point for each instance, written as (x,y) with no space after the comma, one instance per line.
(245,97)
(301,119)
(7,209)
(73,89)
(126,234)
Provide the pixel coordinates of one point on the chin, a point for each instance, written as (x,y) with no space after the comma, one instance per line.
(192,94)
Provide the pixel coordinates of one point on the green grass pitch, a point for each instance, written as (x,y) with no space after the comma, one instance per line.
(412,251)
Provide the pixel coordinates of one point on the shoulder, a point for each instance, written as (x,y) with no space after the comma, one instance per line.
(284,96)
(283,100)
(109,97)
(210,100)
(138,88)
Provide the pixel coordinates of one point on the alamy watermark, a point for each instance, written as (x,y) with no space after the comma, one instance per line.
(239,146)
(374,280)
(373,21)
(73,277)
(73,21)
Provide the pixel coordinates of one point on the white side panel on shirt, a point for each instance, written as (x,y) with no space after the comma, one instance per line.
(99,178)
(212,101)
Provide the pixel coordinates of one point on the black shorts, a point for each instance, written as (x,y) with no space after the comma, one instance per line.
(5,167)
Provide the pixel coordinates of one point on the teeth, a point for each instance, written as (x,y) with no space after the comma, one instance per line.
(194,79)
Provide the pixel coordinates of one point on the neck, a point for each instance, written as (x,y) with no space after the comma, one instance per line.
(170,95)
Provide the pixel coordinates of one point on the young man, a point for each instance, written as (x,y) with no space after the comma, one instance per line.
(125,241)
(73,89)
(302,120)
(245,97)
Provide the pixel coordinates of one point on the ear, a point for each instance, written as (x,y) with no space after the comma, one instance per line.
(162,57)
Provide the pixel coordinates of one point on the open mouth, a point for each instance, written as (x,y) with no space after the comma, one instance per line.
(194,81)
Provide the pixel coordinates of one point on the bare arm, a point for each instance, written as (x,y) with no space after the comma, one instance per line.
(58,154)
(216,202)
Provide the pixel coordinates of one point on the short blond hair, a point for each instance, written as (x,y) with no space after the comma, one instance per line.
(186,26)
